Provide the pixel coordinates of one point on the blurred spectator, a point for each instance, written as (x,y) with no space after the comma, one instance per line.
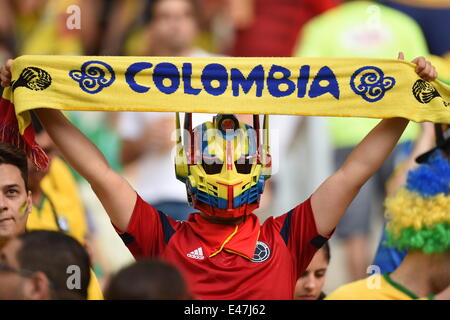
(6,30)
(173,29)
(362,29)
(40,27)
(148,280)
(418,222)
(433,16)
(54,27)
(37,265)
(125,27)
(386,258)
(274,26)
(218,20)
(56,203)
(17,201)
(419,276)
(136,25)
(96,16)
(147,137)
(309,285)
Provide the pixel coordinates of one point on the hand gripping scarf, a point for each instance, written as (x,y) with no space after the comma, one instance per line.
(340,87)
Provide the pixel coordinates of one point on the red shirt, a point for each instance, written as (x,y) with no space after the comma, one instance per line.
(219,261)
(276,27)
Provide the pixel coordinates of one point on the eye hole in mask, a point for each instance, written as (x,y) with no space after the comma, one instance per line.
(212,166)
(244,165)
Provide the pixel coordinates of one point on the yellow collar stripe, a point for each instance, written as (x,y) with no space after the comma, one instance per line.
(225,242)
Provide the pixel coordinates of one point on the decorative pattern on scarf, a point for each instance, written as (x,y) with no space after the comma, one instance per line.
(340,87)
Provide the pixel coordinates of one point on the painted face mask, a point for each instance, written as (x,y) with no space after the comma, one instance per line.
(223,164)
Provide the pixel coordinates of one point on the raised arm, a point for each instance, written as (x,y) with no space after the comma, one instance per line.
(116,195)
(114,192)
(332,198)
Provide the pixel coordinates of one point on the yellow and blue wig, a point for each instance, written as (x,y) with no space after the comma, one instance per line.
(419,213)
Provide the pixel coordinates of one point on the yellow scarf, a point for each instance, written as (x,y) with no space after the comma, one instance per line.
(343,87)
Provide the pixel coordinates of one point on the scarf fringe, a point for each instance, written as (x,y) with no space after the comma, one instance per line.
(9,133)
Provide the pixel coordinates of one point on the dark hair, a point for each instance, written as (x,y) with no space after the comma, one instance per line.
(12,155)
(326,250)
(446,148)
(52,253)
(147,280)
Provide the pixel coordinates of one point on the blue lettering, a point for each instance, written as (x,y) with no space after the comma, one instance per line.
(215,72)
(169,71)
(302,81)
(273,84)
(130,75)
(324,74)
(187,74)
(215,79)
(255,76)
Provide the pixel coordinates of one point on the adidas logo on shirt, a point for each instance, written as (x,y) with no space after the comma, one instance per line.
(196,254)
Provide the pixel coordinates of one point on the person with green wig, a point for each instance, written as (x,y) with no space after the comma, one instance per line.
(419,222)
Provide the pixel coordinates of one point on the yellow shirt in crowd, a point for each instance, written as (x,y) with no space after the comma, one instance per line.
(61,209)
(375,287)
(47,31)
